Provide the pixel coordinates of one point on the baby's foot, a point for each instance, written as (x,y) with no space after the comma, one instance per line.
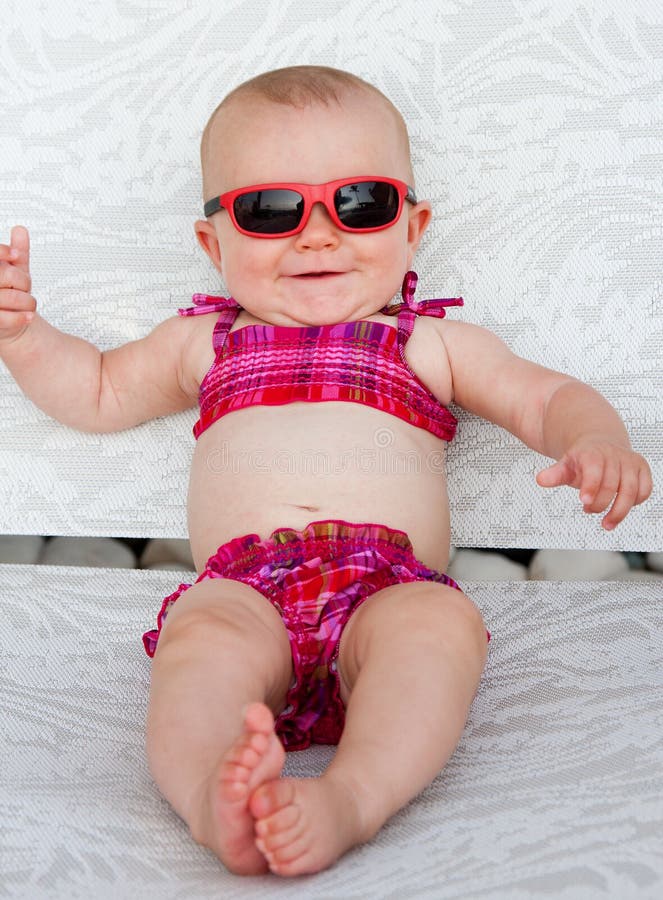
(257,756)
(304,824)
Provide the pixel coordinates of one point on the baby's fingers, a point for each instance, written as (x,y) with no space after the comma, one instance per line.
(605,477)
(561,472)
(13,320)
(600,483)
(634,488)
(20,242)
(626,499)
(17,309)
(8,254)
(645,482)
(15,279)
(17,252)
(597,485)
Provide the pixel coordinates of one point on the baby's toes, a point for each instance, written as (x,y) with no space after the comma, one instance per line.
(291,858)
(259,719)
(236,770)
(281,821)
(271,797)
(247,756)
(272,844)
(233,781)
(238,765)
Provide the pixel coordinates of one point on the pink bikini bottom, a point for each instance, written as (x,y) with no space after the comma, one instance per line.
(315,579)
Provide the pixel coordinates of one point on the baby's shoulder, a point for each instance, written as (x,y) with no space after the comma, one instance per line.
(193,336)
(439,351)
(180,332)
(437,335)
(465,338)
(426,355)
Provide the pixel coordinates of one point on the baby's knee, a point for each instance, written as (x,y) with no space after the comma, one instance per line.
(441,615)
(194,623)
(228,625)
(465,611)
(215,608)
(226,640)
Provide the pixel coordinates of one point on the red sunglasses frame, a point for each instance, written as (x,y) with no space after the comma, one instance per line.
(311,194)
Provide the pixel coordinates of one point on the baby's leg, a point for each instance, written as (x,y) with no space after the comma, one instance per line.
(411,659)
(223,653)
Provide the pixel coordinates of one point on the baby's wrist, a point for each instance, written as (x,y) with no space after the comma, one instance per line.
(617,438)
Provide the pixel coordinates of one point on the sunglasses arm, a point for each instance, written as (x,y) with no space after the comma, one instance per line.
(212,206)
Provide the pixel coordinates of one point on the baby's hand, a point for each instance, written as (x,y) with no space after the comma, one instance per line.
(17,305)
(605,473)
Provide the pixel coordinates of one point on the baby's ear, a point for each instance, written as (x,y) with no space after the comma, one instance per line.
(206,234)
(419,217)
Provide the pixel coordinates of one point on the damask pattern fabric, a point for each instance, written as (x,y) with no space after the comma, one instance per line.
(536,134)
(554,790)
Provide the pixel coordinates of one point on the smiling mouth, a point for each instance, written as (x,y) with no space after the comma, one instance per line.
(316,274)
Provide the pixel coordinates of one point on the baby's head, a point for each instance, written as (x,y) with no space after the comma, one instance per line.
(310,125)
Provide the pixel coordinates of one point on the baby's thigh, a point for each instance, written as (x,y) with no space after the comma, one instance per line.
(403,620)
(233,623)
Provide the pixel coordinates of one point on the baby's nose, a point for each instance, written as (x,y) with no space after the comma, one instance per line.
(320,231)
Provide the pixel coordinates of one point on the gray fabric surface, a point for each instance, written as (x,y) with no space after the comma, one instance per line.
(54,480)
(536,132)
(556,788)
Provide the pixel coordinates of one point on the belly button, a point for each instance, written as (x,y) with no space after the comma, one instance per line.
(307,508)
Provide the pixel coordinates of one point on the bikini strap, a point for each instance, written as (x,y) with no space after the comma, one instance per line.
(226,306)
(407,309)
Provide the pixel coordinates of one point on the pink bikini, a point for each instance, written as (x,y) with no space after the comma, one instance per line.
(318,577)
(360,362)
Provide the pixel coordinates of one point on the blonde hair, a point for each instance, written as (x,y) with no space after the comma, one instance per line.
(300,86)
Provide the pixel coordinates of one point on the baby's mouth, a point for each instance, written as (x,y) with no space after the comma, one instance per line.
(317,274)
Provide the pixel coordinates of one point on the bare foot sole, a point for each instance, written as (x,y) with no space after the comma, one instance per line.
(303,825)
(229,828)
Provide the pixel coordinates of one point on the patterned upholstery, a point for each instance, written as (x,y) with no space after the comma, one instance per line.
(536,132)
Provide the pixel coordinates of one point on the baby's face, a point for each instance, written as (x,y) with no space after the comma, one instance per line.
(257,142)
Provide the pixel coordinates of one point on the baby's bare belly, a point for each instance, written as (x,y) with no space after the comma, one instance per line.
(264,468)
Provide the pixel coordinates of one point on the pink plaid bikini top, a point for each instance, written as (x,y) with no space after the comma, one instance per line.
(360,362)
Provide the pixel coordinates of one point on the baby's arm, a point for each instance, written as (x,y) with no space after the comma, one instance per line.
(553,414)
(69,378)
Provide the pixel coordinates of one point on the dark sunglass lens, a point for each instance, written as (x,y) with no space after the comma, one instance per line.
(366,204)
(272,211)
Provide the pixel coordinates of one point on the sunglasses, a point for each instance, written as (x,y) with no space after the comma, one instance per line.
(280,210)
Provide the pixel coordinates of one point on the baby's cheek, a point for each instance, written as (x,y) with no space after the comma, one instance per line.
(239,273)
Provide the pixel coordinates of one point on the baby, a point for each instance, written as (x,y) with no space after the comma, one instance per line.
(321,612)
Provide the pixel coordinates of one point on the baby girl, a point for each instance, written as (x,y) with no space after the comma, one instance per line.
(321,612)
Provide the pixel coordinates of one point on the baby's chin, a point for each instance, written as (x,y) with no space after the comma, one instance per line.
(323,300)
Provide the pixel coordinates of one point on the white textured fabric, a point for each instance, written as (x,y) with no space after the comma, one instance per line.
(536,131)
(556,788)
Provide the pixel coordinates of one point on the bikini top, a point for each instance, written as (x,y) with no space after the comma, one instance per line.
(360,362)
